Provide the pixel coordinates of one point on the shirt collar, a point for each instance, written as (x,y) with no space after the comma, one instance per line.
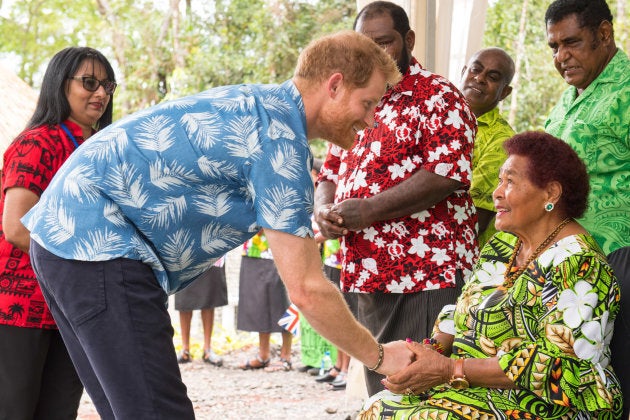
(615,72)
(489,117)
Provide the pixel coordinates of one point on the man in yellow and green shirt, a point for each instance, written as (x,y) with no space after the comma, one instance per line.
(485,82)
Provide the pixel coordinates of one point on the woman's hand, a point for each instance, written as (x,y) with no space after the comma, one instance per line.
(428,369)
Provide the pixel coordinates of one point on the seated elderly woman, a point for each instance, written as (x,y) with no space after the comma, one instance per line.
(528,337)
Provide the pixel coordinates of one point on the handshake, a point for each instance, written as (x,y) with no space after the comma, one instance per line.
(336,220)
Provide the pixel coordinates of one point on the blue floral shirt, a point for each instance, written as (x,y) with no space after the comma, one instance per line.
(180,184)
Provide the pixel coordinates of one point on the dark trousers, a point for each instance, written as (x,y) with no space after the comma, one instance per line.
(37,379)
(113,318)
(397,316)
(620,262)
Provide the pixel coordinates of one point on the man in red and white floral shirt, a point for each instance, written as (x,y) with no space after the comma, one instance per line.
(398,199)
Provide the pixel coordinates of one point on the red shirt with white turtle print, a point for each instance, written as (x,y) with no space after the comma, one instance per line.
(421,123)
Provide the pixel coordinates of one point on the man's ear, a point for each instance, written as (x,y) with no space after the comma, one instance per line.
(410,39)
(605,32)
(334,84)
(506,91)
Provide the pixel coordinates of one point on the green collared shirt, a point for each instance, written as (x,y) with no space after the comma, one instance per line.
(597,126)
(488,156)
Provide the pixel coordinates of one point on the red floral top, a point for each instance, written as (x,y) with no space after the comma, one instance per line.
(421,123)
(29,162)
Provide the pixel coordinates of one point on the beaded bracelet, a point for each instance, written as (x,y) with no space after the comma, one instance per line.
(381,353)
(434,343)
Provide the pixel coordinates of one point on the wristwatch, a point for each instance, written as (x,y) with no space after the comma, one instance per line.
(459,381)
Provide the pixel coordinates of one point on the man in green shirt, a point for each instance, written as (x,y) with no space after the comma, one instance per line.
(485,82)
(593,116)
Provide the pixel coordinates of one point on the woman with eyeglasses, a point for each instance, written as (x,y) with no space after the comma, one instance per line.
(37,378)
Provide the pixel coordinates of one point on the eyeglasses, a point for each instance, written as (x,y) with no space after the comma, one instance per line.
(91,84)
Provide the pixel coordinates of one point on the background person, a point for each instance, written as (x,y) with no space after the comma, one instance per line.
(312,345)
(207,292)
(37,378)
(152,201)
(337,375)
(407,226)
(262,299)
(529,335)
(485,82)
(592,117)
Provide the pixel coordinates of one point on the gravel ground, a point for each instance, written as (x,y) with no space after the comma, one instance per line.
(231,393)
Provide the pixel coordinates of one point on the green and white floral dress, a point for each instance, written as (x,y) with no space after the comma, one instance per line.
(550,331)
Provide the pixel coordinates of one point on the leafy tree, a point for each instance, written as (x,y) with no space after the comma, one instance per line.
(35,29)
(537,84)
(245,41)
(172,48)
(176,47)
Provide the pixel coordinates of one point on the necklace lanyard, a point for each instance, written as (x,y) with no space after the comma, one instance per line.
(76,145)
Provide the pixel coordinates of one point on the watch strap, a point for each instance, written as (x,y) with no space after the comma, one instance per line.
(458,380)
(458,370)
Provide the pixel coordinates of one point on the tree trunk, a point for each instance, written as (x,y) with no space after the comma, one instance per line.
(178,53)
(622,23)
(520,53)
(119,46)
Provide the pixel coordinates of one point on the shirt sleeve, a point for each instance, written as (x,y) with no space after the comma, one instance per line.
(330,168)
(448,130)
(283,198)
(445,321)
(29,162)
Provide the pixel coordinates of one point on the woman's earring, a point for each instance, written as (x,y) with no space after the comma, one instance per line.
(549,206)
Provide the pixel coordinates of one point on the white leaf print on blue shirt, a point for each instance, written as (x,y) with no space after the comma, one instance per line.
(180,184)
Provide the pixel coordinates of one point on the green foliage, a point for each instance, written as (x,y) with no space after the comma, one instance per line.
(254,41)
(34,29)
(539,85)
(160,51)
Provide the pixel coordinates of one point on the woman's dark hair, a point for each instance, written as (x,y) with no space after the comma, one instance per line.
(378,8)
(590,13)
(551,159)
(52,106)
